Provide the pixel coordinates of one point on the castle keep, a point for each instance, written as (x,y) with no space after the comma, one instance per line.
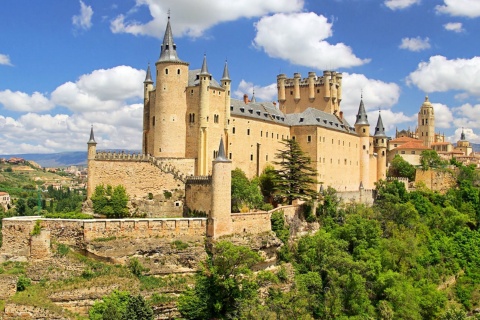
(187,111)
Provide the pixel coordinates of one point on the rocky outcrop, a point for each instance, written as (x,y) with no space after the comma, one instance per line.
(16,311)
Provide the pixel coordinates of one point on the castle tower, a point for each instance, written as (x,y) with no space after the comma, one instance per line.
(464,145)
(362,127)
(380,147)
(220,220)
(205,78)
(226,84)
(168,115)
(147,87)
(426,123)
(92,151)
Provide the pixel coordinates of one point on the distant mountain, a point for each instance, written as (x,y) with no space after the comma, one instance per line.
(55,160)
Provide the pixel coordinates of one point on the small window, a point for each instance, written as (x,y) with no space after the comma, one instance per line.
(413,152)
(266,157)
(251,157)
(153,121)
(248,132)
(293,138)
(166,71)
(364,130)
(309,139)
(291,93)
(230,156)
(261,133)
(364,147)
(178,71)
(403,152)
(233,130)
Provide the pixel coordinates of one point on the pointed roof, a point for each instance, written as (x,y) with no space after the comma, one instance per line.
(225,76)
(361,115)
(92,138)
(168,50)
(462,136)
(379,128)
(204,65)
(253,97)
(148,77)
(221,152)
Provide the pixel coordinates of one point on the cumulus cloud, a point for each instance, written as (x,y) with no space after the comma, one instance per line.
(400,4)
(415,44)
(470,135)
(192,18)
(22,102)
(454,26)
(460,8)
(267,93)
(440,74)
(307,31)
(5,60)
(101,90)
(443,115)
(84,19)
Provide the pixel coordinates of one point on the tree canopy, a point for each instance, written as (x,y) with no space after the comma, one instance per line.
(399,167)
(110,201)
(296,177)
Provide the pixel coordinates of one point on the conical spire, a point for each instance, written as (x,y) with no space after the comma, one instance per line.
(379,128)
(204,65)
(361,115)
(462,135)
(148,77)
(169,49)
(225,76)
(221,152)
(253,97)
(92,138)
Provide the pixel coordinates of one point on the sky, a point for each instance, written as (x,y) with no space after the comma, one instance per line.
(64,68)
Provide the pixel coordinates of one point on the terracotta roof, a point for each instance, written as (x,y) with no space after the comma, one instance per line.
(412,145)
(404,139)
(3,193)
(440,143)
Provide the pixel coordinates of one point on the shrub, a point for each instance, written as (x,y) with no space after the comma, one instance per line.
(180,245)
(136,267)
(167,194)
(37,228)
(62,249)
(23,282)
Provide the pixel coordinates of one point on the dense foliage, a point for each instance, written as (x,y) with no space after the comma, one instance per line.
(399,167)
(245,193)
(110,201)
(121,305)
(295,178)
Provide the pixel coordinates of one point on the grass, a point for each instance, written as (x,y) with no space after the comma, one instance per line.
(14,268)
(180,245)
(111,238)
(68,215)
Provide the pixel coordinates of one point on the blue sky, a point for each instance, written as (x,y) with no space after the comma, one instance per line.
(65,67)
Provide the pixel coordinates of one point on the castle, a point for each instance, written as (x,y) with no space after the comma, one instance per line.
(187,112)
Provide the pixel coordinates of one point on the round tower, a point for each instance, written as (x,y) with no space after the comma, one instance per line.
(147,87)
(362,128)
(91,153)
(311,86)
(296,86)
(380,148)
(426,123)
(168,119)
(226,84)
(220,220)
(204,77)
(281,91)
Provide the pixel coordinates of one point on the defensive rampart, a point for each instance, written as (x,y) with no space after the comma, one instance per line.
(436,180)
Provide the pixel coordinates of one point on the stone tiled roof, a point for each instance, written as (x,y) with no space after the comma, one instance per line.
(194,81)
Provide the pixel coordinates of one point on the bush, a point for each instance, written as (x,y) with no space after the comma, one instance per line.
(110,201)
(68,215)
(23,282)
(136,267)
(121,305)
(62,249)
(180,245)
(37,228)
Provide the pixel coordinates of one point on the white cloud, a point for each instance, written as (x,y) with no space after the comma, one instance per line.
(22,102)
(415,44)
(5,60)
(390,119)
(307,31)
(469,135)
(267,93)
(443,115)
(101,90)
(84,19)
(454,26)
(460,8)
(400,4)
(440,74)
(192,18)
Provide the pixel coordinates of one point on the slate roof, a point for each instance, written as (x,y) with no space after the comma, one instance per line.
(193,80)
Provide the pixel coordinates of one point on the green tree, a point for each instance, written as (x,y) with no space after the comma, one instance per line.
(430,159)
(110,201)
(244,192)
(296,177)
(121,305)
(267,183)
(225,282)
(401,168)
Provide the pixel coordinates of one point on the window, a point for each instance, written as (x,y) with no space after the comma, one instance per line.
(248,132)
(233,130)
(191,117)
(364,130)
(291,93)
(413,152)
(403,152)
(230,156)
(178,71)
(153,121)
(215,154)
(251,157)
(364,147)
(261,133)
(266,157)
(293,138)
(166,71)
(309,139)
(215,118)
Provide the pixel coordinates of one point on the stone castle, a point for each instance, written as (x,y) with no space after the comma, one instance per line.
(186,113)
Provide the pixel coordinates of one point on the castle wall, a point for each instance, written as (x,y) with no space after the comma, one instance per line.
(138,176)
(436,180)
(198,194)
(255,222)
(252,144)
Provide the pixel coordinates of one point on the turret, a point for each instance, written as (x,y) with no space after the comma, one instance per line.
(220,220)
(147,87)
(380,147)
(205,78)
(362,127)
(311,86)
(296,86)
(339,88)
(226,84)
(147,84)
(281,88)
(92,151)
(426,123)
(167,117)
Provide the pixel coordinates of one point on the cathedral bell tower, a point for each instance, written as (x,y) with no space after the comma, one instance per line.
(426,123)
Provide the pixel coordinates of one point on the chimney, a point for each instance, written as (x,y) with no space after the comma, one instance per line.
(245,98)
(341,115)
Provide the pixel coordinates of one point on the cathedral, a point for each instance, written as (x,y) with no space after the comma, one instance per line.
(187,112)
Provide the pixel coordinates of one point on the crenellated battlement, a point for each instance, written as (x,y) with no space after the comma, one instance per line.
(199,180)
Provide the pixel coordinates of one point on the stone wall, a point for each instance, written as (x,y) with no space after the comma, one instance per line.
(365,196)
(253,222)
(198,194)
(8,285)
(16,311)
(436,180)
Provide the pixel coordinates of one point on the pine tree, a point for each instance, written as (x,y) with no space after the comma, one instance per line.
(296,177)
